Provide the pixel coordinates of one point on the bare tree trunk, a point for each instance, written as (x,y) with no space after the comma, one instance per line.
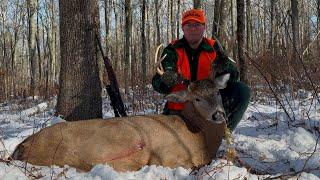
(107,13)
(47,59)
(178,19)
(222,33)
(31,4)
(272,11)
(13,44)
(305,26)
(216,18)
(53,46)
(249,25)
(295,28)
(264,29)
(172,20)
(156,6)
(106,20)
(37,36)
(143,44)
(149,43)
(234,48)
(240,38)
(80,88)
(117,39)
(168,22)
(197,4)
(318,21)
(2,52)
(318,10)
(128,27)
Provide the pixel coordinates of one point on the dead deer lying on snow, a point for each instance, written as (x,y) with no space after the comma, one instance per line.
(129,143)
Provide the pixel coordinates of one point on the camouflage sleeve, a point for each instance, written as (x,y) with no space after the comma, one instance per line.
(169,63)
(224,65)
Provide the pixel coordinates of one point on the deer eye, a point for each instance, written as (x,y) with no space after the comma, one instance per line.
(197,99)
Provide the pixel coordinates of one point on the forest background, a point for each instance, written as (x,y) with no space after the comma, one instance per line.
(275,43)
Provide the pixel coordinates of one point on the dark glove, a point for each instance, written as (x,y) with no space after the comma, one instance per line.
(170,78)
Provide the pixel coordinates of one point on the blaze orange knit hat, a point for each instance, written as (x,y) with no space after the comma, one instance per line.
(193,14)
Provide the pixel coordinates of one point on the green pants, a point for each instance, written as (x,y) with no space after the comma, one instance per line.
(235,98)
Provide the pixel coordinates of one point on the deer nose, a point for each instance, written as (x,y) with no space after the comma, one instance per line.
(219,117)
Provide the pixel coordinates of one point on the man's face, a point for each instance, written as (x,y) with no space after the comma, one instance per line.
(193,31)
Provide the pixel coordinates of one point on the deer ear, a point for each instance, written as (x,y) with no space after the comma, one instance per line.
(221,81)
(178,97)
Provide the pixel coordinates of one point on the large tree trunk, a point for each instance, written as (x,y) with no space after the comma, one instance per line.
(80,89)
(240,38)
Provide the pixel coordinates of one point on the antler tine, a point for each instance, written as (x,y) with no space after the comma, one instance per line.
(160,69)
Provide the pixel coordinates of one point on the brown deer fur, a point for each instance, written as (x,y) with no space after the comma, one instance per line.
(129,143)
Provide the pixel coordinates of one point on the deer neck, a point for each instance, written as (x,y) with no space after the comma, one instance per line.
(193,119)
(213,132)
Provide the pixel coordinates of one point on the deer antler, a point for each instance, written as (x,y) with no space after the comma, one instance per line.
(160,69)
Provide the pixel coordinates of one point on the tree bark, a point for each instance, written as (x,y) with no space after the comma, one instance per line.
(52,72)
(318,10)
(156,6)
(80,89)
(172,20)
(106,20)
(128,28)
(272,11)
(240,38)
(117,39)
(216,18)
(249,25)
(197,4)
(223,21)
(318,21)
(37,36)
(143,44)
(31,5)
(178,19)
(295,29)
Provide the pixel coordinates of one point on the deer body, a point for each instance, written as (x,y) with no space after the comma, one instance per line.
(126,144)
(129,143)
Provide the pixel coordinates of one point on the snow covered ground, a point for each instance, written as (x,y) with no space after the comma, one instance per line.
(267,142)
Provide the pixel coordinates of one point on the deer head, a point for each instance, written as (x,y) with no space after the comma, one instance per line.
(205,97)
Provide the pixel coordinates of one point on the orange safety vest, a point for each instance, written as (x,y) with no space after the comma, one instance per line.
(183,68)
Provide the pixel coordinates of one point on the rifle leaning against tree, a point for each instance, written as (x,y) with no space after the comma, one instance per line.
(113,87)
